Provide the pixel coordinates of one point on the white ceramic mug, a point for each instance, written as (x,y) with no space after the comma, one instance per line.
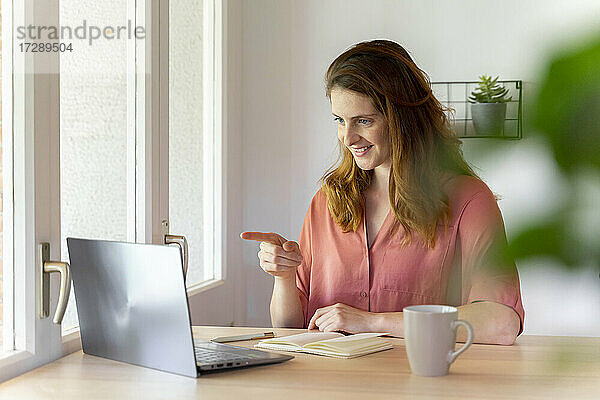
(430,337)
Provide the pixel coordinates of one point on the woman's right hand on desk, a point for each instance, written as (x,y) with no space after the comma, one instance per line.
(278,256)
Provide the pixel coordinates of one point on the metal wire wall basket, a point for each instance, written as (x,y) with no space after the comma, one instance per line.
(455,96)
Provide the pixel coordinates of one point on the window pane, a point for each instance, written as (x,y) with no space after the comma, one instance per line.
(93,137)
(185,130)
(1,205)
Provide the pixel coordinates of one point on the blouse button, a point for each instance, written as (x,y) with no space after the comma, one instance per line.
(363,294)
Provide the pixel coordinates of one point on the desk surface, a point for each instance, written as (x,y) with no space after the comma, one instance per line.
(536,367)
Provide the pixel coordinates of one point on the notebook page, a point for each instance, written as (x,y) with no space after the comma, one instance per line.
(342,354)
(350,344)
(303,338)
(348,347)
(358,336)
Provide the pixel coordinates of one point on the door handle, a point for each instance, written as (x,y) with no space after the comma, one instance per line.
(45,268)
(180,241)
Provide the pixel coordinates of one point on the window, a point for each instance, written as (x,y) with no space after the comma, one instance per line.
(101,149)
(192,133)
(103,160)
(2,335)
(7,338)
(93,132)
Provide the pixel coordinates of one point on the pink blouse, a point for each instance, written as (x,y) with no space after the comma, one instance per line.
(340,268)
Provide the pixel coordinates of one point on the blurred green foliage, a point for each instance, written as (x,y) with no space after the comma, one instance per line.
(568,108)
(567,117)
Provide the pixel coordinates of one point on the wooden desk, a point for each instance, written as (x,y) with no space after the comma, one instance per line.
(536,367)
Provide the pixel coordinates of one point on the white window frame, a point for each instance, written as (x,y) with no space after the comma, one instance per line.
(214,147)
(213,134)
(149,163)
(7,181)
(38,341)
(30,138)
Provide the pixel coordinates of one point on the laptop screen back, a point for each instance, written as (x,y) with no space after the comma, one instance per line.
(132,304)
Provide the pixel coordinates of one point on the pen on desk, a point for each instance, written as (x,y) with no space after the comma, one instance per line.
(252,336)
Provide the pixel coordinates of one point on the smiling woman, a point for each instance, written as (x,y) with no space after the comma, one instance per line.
(386,82)
(401,219)
(365,133)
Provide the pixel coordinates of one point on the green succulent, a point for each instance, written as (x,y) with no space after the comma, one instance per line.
(489,91)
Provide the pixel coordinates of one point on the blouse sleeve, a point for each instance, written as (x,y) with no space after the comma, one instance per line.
(303,270)
(487,272)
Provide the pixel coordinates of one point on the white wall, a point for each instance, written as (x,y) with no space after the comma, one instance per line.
(288,139)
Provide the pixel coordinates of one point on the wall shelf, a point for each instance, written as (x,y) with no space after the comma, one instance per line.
(455,95)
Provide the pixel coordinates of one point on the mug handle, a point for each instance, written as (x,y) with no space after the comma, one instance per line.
(452,355)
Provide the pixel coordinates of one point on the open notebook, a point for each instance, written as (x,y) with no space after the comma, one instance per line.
(331,344)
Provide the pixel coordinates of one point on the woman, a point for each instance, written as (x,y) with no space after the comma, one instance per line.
(401,220)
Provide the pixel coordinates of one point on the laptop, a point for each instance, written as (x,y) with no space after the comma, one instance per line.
(132,306)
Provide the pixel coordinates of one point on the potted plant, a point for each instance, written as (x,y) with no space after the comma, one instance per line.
(488,106)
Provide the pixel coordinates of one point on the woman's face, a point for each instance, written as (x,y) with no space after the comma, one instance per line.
(361,128)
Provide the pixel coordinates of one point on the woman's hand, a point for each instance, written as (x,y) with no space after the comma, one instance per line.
(278,256)
(341,317)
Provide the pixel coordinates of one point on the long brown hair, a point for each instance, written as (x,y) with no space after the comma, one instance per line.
(424,150)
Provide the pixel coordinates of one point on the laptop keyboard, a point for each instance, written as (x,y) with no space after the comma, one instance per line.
(205,356)
(215,355)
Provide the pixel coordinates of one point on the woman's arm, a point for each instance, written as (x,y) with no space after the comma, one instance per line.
(490,280)
(280,258)
(286,309)
(492,323)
